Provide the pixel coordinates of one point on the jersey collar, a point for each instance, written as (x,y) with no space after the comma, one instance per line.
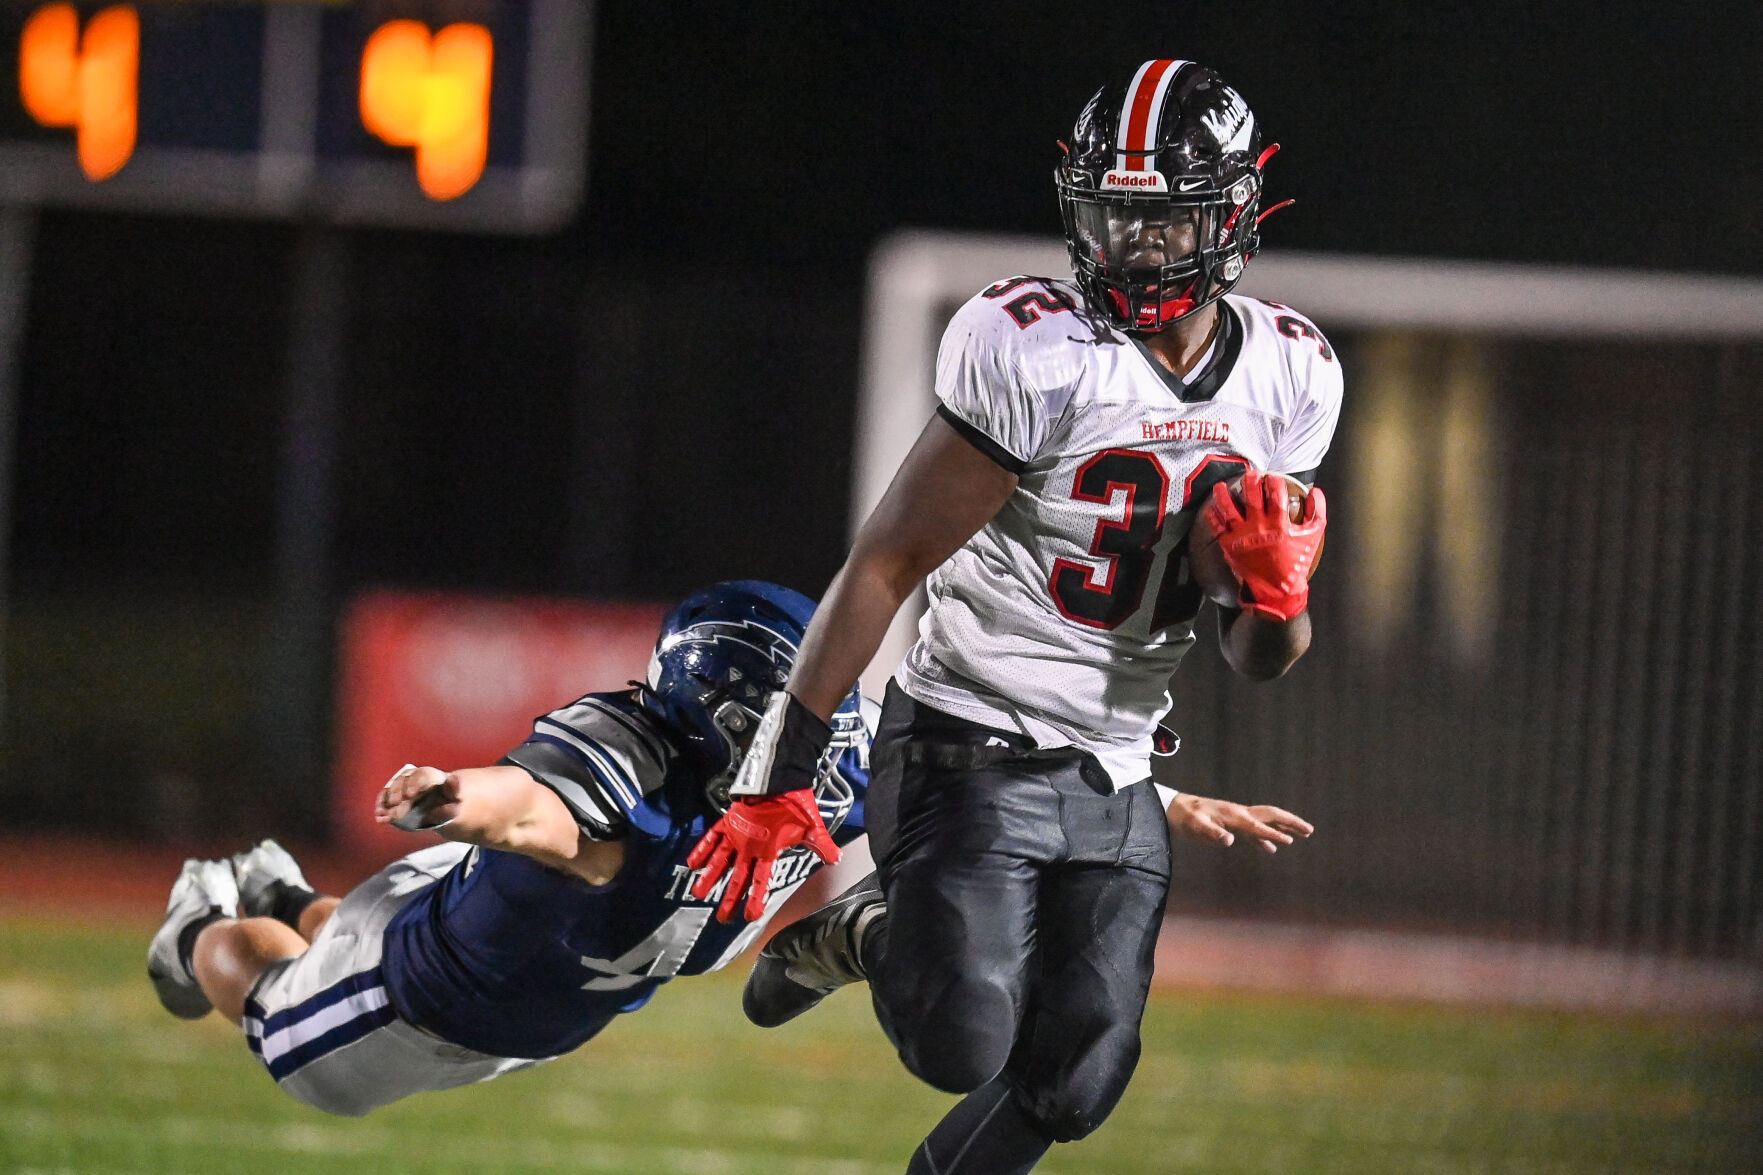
(1226,346)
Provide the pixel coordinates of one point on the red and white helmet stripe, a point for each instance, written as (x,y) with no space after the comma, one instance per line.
(1142,113)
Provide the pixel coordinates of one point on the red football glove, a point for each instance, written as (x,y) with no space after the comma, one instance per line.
(1270,555)
(747,842)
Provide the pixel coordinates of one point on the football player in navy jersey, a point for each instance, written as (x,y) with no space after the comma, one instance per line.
(1022,849)
(562,899)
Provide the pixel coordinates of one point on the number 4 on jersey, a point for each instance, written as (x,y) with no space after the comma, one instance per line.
(659,956)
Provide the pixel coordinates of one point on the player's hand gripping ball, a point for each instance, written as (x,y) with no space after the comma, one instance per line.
(1261,543)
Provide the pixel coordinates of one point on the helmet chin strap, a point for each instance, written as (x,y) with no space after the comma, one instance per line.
(1158,313)
(1171,310)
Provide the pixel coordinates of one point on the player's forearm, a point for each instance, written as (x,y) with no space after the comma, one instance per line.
(503,807)
(847,629)
(1260,647)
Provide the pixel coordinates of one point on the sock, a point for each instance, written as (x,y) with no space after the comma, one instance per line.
(288,902)
(871,942)
(187,936)
(864,929)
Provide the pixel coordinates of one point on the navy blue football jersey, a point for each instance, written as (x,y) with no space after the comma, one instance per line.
(509,957)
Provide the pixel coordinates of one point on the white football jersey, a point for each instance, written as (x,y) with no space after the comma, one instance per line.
(1065,615)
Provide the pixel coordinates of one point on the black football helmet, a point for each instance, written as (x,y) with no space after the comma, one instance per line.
(1160,190)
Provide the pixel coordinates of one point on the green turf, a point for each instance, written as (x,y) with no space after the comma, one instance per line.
(95,1078)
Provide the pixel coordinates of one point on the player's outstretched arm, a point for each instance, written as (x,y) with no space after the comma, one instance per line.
(499,807)
(1221,822)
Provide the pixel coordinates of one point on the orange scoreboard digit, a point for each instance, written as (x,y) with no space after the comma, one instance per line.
(85,81)
(433,94)
(383,111)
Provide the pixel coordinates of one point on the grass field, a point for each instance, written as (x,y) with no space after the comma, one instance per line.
(95,1078)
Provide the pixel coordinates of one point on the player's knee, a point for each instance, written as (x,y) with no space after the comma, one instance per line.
(334,1099)
(341,1106)
(962,1040)
(350,1109)
(1070,1122)
(1074,1109)
(951,1067)
(1086,1094)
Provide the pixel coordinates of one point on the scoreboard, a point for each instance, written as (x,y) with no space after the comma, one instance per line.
(468,114)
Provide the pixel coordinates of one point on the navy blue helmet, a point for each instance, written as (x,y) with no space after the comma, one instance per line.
(721,654)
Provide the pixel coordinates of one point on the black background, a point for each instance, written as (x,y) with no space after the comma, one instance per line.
(662,392)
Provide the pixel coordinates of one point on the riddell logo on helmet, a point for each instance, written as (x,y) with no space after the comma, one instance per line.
(1134,181)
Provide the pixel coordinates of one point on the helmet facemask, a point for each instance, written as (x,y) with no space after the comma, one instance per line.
(1147,261)
(720,657)
(834,793)
(734,722)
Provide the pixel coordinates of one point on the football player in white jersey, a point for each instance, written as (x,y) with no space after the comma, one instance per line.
(1022,851)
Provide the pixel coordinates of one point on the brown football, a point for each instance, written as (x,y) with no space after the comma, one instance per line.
(1206,562)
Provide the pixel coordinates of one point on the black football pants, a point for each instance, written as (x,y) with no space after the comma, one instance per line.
(1024,900)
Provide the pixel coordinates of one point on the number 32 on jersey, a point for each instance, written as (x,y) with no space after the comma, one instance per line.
(1106,596)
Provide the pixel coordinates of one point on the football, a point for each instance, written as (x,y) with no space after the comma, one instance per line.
(1206,561)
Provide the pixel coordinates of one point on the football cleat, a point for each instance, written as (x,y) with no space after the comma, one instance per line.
(257,870)
(810,959)
(203,888)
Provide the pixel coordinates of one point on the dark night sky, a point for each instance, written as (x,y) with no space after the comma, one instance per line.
(750,156)
(662,393)
(1606,134)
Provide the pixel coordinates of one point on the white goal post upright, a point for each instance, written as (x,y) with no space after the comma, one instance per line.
(917,276)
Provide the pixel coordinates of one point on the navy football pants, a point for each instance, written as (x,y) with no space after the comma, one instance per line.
(1024,900)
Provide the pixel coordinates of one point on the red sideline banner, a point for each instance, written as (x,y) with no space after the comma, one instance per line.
(456,681)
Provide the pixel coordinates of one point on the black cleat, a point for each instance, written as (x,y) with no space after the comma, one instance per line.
(810,959)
